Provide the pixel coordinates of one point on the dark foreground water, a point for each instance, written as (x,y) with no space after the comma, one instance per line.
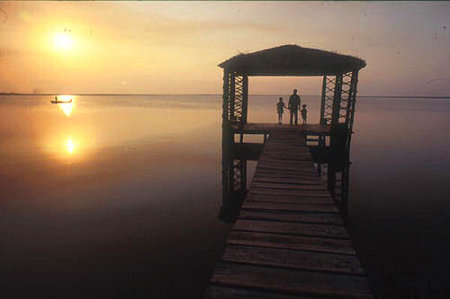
(118,196)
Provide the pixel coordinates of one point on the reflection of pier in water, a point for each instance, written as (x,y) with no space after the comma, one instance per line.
(289,237)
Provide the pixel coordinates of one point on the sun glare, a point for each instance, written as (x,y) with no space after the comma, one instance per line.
(70,145)
(63,41)
(66,108)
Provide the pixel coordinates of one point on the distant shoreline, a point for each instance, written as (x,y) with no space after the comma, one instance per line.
(206,94)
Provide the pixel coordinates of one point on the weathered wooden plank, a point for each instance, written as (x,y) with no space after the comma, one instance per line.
(299,193)
(280,156)
(280,153)
(327,208)
(295,259)
(279,175)
(291,281)
(289,238)
(279,172)
(257,192)
(288,199)
(296,216)
(222,292)
(287,163)
(291,242)
(288,186)
(286,181)
(294,167)
(307,229)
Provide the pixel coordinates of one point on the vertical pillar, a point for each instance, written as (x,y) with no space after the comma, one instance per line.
(344,190)
(350,100)
(353,99)
(232,95)
(322,102)
(335,137)
(244,98)
(225,97)
(322,122)
(243,176)
(336,102)
(244,104)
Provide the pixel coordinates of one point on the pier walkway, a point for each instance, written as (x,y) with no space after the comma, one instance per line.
(289,240)
(262,128)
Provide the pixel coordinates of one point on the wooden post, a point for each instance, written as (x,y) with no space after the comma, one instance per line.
(232,95)
(244,98)
(244,175)
(353,99)
(350,101)
(336,102)
(344,191)
(322,102)
(225,97)
(227,137)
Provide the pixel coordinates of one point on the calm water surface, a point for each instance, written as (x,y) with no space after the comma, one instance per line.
(118,196)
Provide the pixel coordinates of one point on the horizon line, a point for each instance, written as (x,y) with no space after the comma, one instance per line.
(202,94)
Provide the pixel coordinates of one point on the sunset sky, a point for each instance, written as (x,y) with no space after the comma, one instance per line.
(175,47)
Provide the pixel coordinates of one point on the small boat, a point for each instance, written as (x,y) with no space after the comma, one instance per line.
(61,102)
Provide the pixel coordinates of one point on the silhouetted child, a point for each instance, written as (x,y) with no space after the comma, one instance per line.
(304,112)
(280,107)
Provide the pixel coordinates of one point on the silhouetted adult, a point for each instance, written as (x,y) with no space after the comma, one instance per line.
(294,105)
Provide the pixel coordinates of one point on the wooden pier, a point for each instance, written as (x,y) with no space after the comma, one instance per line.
(289,240)
(265,128)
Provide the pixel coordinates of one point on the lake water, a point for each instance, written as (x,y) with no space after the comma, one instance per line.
(119,196)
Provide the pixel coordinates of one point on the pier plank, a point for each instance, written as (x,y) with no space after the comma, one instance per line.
(289,216)
(288,199)
(291,242)
(220,292)
(282,206)
(322,230)
(291,281)
(289,186)
(289,239)
(295,259)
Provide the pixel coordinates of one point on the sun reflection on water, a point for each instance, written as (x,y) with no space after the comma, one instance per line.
(70,145)
(66,108)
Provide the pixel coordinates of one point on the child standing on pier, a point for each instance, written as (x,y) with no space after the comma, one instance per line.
(304,112)
(280,107)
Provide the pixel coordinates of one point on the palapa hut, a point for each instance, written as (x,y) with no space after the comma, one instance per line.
(340,77)
(333,133)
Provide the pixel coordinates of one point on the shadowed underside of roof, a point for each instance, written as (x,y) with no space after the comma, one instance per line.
(292,60)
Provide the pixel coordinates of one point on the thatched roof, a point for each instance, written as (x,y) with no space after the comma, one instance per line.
(292,60)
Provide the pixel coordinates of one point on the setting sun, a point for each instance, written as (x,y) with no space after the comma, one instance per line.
(63,40)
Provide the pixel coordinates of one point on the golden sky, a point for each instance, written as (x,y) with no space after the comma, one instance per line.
(175,47)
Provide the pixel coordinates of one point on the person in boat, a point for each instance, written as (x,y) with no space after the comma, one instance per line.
(294,106)
(56,98)
(280,107)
